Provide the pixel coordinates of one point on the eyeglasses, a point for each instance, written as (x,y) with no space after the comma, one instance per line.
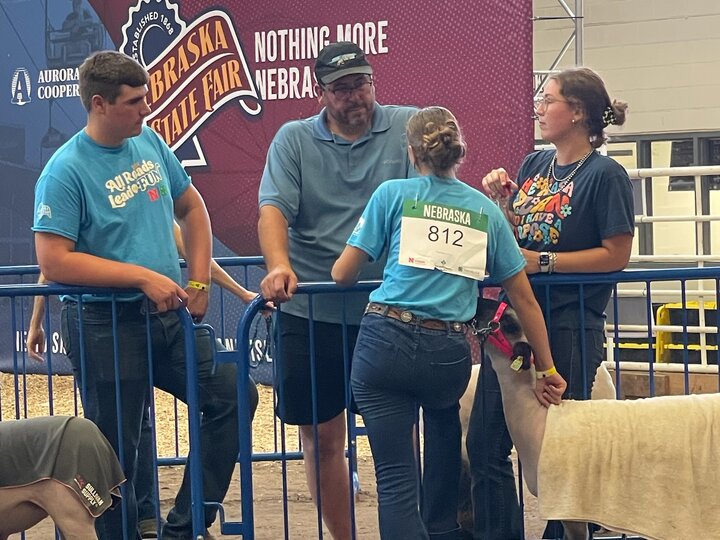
(345,92)
(545,101)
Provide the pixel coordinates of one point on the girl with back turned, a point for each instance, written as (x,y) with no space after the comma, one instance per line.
(441,236)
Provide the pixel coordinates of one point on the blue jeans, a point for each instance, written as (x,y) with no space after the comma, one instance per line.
(145,471)
(496,510)
(97,379)
(398,367)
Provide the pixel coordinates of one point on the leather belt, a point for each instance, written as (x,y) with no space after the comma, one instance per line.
(409,317)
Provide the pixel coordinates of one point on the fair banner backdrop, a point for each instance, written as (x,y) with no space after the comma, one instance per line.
(225,75)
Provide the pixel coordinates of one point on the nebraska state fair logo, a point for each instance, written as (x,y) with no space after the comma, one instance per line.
(194,70)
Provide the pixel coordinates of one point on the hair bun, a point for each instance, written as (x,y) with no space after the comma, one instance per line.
(436,140)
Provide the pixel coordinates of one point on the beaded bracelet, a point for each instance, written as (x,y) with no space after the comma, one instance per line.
(199,285)
(553,260)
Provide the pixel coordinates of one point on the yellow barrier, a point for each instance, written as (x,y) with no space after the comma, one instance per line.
(664,340)
(630,351)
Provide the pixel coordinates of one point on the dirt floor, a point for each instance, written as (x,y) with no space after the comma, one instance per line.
(267,476)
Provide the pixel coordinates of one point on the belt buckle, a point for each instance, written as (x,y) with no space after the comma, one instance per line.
(457,326)
(406,316)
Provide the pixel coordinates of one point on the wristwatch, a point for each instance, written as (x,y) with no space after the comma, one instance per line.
(544,262)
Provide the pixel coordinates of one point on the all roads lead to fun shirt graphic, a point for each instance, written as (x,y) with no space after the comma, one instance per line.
(144,177)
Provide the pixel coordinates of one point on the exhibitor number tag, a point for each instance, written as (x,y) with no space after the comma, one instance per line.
(446,238)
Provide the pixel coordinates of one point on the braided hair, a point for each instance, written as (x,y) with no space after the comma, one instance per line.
(436,140)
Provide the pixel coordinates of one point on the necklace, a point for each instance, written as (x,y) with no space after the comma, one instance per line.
(564,181)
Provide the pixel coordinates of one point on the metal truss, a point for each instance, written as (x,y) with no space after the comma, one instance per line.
(576,37)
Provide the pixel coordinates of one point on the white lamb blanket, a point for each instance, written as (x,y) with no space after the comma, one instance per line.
(649,467)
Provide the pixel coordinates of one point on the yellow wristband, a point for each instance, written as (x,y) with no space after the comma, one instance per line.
(199,285)
(547,373)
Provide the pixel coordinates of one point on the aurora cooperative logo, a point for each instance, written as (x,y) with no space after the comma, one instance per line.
(20,88)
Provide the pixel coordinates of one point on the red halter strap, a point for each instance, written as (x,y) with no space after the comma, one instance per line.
(496,337)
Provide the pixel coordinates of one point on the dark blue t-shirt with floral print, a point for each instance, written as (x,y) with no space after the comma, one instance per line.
(557,213)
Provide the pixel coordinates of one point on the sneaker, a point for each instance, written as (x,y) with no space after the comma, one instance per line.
(183,534)
(147,528)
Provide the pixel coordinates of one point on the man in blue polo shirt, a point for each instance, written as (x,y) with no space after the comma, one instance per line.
(319,174)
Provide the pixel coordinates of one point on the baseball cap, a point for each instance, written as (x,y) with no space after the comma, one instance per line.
(339,59)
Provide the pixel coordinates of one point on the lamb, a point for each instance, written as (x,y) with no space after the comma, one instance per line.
(603,388)
(646,467)
(61,466)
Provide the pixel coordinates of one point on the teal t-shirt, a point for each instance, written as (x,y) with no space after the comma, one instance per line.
(114,202)
(432,293)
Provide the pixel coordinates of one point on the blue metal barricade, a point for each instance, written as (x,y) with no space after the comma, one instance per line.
(19,297)
(16,299)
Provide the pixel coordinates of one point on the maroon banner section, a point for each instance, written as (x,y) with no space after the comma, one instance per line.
(226,75)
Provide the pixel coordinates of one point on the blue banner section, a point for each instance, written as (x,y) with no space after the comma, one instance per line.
(43,44)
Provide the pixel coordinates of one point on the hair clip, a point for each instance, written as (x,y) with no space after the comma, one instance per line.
(608,116)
